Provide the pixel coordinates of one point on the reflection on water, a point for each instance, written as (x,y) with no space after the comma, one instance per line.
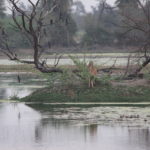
(6,93)
(24,128)
(9,85)
(45,127)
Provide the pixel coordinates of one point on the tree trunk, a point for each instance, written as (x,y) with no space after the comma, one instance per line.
(136,72)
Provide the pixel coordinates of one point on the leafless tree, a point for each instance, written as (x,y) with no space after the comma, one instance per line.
(135,23)
(32,24)
(138,23)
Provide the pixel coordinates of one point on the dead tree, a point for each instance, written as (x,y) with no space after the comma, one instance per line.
(32,24)
(138,22)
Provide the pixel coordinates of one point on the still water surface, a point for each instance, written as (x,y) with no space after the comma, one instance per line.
(25,128)
(9,85)
(104,61)
(46,127)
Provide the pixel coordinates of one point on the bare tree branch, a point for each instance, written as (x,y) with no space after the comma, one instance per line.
(31,25)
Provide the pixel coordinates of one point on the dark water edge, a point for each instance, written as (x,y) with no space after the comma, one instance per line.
(38,105)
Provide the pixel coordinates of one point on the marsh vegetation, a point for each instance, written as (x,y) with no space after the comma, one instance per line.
(72,78)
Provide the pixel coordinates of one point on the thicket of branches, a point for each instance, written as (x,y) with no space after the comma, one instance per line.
(74,26)
(47,23)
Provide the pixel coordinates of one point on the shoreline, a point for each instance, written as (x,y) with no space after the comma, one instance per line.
(123,104)
(83,55)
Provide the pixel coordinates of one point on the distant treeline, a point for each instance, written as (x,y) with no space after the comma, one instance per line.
(104,25)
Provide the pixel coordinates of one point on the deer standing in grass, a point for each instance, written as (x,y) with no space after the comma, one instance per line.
(92,74)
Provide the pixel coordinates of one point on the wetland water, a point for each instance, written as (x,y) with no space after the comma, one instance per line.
(10,87)
(23,127)
(103,59)
(56,127)
(66,61)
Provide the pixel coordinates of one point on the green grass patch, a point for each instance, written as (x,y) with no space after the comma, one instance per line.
(83,94)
